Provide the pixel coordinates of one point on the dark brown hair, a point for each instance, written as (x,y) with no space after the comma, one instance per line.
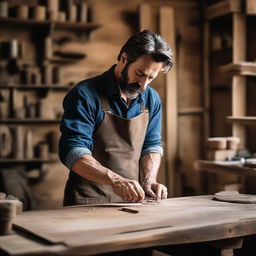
(150,43)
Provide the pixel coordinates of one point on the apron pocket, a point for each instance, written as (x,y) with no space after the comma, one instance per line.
(94,200)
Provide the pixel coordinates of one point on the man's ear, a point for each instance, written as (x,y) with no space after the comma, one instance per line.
(124,58)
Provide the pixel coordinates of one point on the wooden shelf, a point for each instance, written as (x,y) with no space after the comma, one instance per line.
(55,24)
(245,120)
(33,160)
(223,8)
(227,167)
(240,68)
(29,121)
(191,111)
(35,87)
(56,59)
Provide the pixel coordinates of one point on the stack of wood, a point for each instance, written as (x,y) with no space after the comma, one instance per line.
(10,206)
(222,148)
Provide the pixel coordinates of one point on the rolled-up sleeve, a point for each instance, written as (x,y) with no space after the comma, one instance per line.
(153,141)
(77,126)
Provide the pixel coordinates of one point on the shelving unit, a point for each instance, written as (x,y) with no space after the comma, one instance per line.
(30,90)
(228,67)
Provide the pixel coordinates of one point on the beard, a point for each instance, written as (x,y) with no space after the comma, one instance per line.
(131,90)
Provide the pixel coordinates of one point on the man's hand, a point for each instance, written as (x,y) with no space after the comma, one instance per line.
(155,190)
(128,190)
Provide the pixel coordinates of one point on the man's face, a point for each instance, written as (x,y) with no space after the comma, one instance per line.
(135,76)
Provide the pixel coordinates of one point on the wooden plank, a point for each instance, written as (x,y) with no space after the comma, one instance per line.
(191,111)
(21,245)
(182,220)
(240,68)
(167,30)
(243,120)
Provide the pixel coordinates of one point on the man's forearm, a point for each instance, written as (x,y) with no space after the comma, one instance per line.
(150,165)
(89,168)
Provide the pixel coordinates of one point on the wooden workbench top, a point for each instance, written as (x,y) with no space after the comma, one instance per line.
(98,229)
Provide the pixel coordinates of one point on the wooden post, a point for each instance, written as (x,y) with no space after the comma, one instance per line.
(167,30)
(145,17)
(239,82)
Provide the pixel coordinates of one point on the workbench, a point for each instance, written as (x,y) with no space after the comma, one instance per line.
(96,229)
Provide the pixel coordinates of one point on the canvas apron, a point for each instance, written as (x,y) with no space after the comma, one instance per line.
(117,145)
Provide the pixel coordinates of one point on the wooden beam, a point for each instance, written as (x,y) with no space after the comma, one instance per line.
(167,30)
(191,111)
(222,8)
(239,82)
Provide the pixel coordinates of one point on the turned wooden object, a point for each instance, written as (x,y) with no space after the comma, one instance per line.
(22,11)
(18,137)
(217,143)
(5,142)
(39,12)
(8,210)
(4,9)
(82,12)
(62,16)
(232,142)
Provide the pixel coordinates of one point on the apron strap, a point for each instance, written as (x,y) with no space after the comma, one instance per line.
(144,109)
(105,105)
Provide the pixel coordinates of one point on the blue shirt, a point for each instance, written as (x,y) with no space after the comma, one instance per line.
(83,115)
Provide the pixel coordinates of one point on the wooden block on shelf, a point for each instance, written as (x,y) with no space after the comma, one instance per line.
(47,75)
(220,154)
(48,47)
(52,15)
(18,137)
(217,143)
(251,7)
(82,12)
(5,142)
(62,17)
(3,9)
(28,147)
(42,150)
(52,5)
(233,142)
(22,11)
(72,13)
(39,12)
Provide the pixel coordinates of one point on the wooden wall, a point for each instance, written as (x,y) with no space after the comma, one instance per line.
(119,20)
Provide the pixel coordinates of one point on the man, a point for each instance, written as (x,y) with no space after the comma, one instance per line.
(111,128)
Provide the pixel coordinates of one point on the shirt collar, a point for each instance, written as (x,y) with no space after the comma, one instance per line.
(111,87)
